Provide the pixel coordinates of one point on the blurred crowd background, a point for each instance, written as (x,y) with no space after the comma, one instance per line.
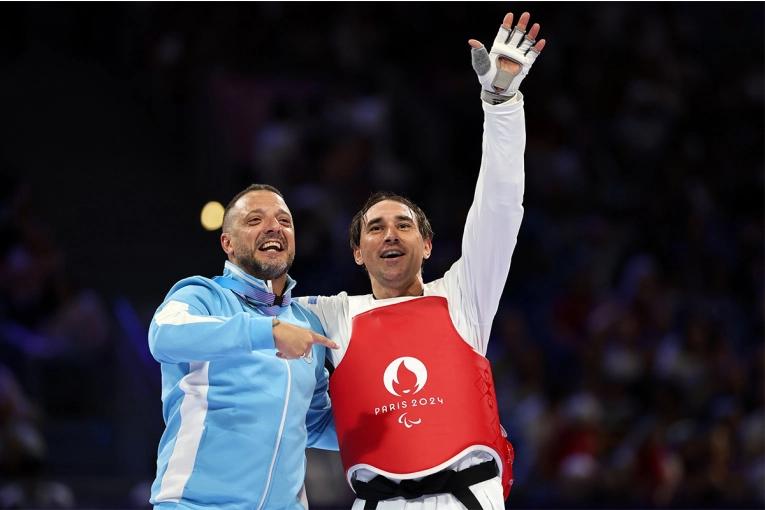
(628,349)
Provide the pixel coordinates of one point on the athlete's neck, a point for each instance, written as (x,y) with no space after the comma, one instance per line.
(381,291)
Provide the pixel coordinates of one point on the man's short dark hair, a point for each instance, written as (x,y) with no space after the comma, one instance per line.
(354,232)
(248,189)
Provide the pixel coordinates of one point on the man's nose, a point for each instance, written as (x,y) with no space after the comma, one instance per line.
(272,225)
(391,235)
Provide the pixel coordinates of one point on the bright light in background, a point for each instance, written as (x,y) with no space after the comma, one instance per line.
(212,215)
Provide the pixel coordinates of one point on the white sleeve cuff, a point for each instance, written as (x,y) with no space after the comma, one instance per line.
(511,105)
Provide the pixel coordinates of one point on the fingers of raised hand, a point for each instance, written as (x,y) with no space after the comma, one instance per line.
(532,35)
(523,21)
(533,31)
(508,21)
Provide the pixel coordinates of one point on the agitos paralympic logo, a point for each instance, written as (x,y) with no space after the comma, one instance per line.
(405,377)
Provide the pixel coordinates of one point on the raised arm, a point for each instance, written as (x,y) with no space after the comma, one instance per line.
(495,216)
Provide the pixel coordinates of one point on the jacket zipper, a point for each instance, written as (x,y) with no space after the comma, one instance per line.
(279,437)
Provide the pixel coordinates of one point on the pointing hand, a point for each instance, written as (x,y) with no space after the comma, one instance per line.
(292,342)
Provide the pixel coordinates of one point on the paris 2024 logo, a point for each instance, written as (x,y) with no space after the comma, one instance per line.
(403,378)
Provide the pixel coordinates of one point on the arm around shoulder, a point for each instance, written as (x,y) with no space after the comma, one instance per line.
(328,309)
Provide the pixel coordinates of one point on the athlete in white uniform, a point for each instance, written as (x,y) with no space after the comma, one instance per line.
(391,237)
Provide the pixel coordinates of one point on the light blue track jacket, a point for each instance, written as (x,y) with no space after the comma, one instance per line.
(238,419)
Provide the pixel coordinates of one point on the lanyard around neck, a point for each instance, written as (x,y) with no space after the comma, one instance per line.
(268,303)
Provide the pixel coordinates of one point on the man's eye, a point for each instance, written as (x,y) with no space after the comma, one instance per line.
(375,228)
(253,220)
(404,225)
(285,222)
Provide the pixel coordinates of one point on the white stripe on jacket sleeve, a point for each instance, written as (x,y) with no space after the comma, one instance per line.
(176,313)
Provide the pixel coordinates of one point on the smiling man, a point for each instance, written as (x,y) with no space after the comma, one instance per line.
(244,388)
(412,390)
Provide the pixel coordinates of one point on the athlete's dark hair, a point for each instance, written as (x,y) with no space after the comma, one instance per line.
(248,189)
(354,232)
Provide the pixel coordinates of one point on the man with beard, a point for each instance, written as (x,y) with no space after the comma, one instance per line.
(412,390)
(244,388)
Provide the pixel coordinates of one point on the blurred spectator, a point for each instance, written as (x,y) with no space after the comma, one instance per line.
(23,453)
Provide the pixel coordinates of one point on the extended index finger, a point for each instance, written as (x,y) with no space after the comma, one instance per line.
(323,340)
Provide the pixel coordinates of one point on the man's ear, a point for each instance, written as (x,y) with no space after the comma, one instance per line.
(357,256)
(225,242)
(427,249)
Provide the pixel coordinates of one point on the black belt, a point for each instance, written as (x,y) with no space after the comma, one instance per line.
(456,483)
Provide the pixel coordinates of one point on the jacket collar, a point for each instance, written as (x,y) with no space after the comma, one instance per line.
(231,270)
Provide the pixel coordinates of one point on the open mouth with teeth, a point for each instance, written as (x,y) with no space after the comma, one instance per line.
(392,254)
(271,246)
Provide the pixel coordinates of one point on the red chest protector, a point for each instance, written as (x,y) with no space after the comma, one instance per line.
(410,396)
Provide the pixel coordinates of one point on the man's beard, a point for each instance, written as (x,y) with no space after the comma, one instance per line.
(265,270)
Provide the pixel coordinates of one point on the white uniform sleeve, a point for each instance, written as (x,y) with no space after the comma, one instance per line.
(474,284)
(332,312)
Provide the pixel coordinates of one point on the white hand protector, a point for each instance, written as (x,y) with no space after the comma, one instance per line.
(513,45)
